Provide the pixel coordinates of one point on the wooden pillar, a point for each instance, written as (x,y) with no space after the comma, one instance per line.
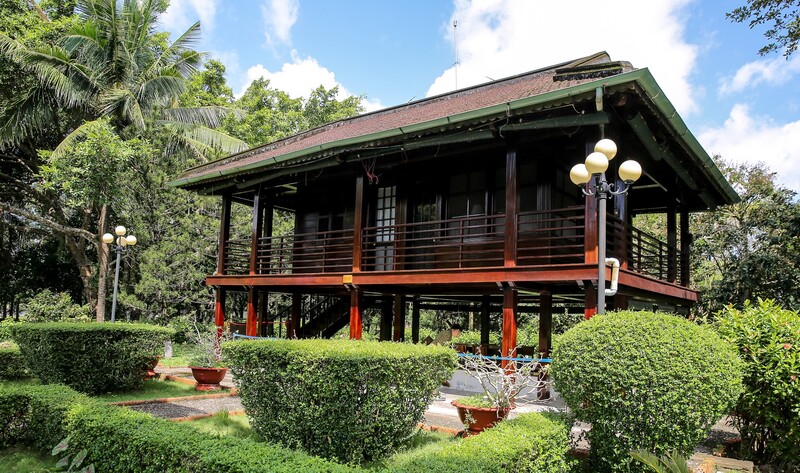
(485,323)
(510,247)
(294,318)
(672,243)
(258,228)
(509,326)
(589,300)
(686,241)
(251,327)
(224,232)
(219,309)
(621,212)
(263,318)
(358,223)
(356,313)
(545,323)
(385,330)
(415,320)
(399,318)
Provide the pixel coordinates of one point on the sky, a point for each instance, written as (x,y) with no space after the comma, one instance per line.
(738,104)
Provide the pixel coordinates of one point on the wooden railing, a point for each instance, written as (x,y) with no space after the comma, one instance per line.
(545,237)
(468,242)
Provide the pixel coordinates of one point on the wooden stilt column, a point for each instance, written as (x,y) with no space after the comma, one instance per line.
(294,318)
(686,241)
(510,247)
(386,320)
(415,320)
(399,318)
(589,300)
(264,327)
(251,327)
(356,314)
(545,322)
(672,243)
(358,223)
(219,309)
(509,326)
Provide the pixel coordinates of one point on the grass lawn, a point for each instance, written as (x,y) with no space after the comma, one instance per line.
(422,442)
(181,352)
(22,460)
(223,423)
(153,389)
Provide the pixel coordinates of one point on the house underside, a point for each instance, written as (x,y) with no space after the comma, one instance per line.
(463,202)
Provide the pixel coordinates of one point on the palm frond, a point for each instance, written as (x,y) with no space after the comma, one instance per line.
(209,137)
(179,54)
(183,144)
(56,71)
(207,116)
(120,101)
(26,116)
(71,138)
(160,90)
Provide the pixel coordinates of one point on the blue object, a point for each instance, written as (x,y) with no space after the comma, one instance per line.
(506,358)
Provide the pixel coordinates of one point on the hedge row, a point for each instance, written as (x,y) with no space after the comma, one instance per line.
(531,442)
(90,357)
(352,401)
(123,440)
(11,362)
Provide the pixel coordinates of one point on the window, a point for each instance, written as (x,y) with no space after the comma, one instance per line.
(385,219)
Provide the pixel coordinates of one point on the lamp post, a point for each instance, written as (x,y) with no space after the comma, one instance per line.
(122,241)
(592,179)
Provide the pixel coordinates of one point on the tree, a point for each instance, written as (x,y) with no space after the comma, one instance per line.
(782,18)
(750,249)
(113,65)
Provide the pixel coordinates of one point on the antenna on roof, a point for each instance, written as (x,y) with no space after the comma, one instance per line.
(455,48)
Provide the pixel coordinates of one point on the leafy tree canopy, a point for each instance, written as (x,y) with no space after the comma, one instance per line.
(782,18)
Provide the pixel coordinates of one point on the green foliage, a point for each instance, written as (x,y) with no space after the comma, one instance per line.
(768,412)
(209,347)
(92,358)
(530,443)
(354,401)
(645,380)
(782,18)
(475,400)
(71,463)
(47,306)
(472,337)
(664,464)
(11,363)
(122,440)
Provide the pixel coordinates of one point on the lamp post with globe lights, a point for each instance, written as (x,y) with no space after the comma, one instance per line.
(121,242)
(592,179)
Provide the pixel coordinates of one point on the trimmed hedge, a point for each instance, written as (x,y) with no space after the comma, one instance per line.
(123,440)
(768,412)
(646,381)
(353,401)
(90,357)
(530,443)
(11,363)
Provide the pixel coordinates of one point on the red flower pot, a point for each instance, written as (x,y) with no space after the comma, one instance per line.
(151,367)
(208,379)
(479,418)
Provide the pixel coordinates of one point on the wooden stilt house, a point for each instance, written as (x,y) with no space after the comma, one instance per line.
(464,199)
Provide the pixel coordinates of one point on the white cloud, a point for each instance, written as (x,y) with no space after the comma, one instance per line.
(748,138)
(182,14)
(279,16)
(299,77)
(499,38)
(774,71)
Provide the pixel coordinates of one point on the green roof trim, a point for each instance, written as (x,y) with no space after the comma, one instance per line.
(642,77)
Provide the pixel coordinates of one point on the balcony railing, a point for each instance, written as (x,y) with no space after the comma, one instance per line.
(545,237)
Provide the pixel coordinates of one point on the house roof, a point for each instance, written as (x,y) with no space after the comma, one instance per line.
(543,88)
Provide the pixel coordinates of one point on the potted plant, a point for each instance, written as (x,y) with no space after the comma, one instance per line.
(502,387)
(206,364)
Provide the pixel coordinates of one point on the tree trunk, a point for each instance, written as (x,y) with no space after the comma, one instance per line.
(85,268)
(102,267)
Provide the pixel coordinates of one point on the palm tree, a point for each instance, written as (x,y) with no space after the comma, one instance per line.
(111,65)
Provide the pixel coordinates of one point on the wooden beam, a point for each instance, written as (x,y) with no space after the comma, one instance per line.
(510,246)
(251,325)
(356,314)
(399,318)
(672,242)
(294,318)
(224,232)
(219,309)
(589,300)
(545,323)
(509,342)
(263,300)
(258,228)
(686,242)
(573,121)
(415,320)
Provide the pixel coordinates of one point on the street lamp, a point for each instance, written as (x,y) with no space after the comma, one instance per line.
(122,241)
(592,179)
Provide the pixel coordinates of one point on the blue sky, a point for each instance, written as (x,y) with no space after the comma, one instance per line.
(738,104)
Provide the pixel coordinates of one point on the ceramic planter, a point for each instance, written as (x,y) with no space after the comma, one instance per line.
(208,379)
(479,418)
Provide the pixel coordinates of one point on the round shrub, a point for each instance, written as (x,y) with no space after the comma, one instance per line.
(768,412)
(353,401)
(11,364)
(646,381)
(90,357)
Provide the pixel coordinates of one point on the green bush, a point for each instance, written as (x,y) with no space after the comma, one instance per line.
(473,337)
(5,328)
(11,364)
(768,412)
(530,443)
(48,306)
(646,381)
(353,401)
(91,357)
(122,440)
